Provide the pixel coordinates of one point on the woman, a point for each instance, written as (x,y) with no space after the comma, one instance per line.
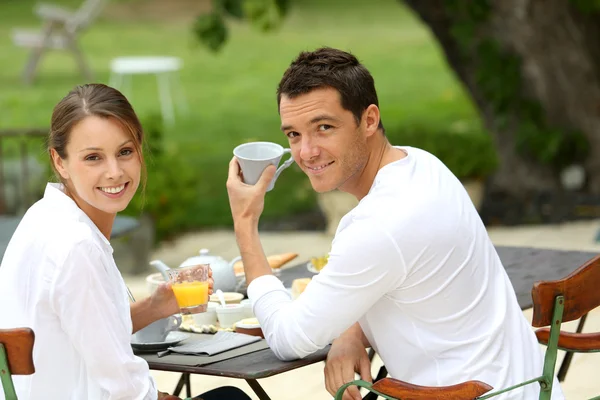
(58,275)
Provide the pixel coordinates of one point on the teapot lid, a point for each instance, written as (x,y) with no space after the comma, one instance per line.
(203,258)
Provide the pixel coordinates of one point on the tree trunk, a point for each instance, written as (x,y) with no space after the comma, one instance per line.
(559,49)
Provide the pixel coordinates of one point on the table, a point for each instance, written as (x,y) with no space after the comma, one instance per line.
(164,68)
(250,367)
(8,224)
(524,266)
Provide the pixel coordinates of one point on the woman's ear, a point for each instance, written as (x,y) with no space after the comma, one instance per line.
(59,164)
(372,117)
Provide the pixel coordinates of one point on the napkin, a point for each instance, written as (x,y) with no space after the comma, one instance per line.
(220,342)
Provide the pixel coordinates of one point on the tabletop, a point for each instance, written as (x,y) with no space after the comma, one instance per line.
(256,365)
(524,266)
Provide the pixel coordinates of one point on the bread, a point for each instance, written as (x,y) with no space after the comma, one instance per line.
(299,285)
(275,261)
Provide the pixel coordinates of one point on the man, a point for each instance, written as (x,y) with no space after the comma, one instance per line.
(411,272)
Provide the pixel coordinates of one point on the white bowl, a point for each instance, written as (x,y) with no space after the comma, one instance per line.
(247,308)
(230,297)
(153,280)
(206,318)
(230,314)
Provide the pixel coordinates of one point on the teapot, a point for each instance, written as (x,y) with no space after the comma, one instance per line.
(222,270)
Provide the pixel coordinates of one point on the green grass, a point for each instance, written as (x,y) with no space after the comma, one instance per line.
(231,94)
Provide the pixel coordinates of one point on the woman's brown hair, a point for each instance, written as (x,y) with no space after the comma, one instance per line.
(94,99)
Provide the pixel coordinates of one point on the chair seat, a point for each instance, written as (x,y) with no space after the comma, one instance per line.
(29,38)
(581,342)
(402,390)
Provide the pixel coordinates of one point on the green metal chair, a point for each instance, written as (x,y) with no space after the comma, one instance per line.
(554,302)
(16,357)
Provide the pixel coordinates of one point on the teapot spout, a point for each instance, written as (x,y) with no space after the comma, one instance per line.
(162,267)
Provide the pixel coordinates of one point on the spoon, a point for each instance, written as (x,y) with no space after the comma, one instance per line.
(221,297)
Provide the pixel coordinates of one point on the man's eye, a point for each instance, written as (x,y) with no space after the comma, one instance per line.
(292,134)
(325,127)
(92,157)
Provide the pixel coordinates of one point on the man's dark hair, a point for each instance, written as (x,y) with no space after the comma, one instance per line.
(337,69)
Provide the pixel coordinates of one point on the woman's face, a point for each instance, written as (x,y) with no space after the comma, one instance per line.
(102,169)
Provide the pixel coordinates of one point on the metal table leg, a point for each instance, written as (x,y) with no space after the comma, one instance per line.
(564,367)
(184,380)
(260,392)
(188,384)
(380,375)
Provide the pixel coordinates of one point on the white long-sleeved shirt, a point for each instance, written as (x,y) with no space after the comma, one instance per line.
(58,277)
(413,264)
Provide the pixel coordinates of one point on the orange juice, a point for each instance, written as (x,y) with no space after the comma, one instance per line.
(190,294)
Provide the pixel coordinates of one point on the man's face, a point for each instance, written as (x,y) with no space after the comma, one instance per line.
(325,140)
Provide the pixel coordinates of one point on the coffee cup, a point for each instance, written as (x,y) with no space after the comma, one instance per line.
(158,330)
(255,157)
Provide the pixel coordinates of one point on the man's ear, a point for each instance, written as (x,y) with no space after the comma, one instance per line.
(59,164)
(371,118)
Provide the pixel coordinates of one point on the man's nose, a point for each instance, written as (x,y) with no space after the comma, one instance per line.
(309,149)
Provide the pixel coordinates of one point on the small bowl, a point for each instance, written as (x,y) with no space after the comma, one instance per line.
(153,280)
(230,314)
(206,318)
(247,308)
(230,297)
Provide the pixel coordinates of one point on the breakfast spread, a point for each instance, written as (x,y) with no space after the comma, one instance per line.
(275,261)
(298,286)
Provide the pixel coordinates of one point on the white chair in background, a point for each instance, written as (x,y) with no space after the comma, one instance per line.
(60,31)
(166,70)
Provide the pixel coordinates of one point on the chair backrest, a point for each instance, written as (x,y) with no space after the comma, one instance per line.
(18,343)
(580,289)
(16,357)
(22,175)
(86,14)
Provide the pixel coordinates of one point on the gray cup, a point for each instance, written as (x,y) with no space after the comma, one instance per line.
(158,330)
(254,157)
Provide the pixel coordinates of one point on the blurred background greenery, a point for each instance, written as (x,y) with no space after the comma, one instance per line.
(231,95)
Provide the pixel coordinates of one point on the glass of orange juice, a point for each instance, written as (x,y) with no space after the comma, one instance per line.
(190,286)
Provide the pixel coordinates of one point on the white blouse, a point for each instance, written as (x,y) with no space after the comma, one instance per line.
(58,277)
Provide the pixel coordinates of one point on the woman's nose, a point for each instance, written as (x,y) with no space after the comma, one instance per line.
(115,170)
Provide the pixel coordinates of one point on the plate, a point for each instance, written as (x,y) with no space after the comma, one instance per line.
(172,338)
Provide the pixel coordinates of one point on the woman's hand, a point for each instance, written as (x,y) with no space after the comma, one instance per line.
(163,299)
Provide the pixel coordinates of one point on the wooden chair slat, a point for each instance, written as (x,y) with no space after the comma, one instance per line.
(406,391)
(580,291)
(581,342)
(19,348)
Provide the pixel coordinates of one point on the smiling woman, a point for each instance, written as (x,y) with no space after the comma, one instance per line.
(95,145)
(58,275)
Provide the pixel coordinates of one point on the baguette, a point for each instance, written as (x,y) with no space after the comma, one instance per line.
(275,261)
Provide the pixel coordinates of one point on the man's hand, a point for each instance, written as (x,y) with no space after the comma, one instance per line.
(247,201)
(347,356)
(167,396)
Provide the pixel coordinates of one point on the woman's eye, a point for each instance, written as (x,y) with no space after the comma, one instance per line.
(325,127)
(92,157)
(126,152)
